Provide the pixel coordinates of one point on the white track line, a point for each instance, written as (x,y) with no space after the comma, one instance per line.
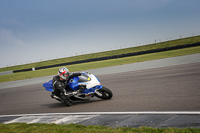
(112,113)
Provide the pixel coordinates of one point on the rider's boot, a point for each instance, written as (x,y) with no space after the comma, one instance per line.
(55,97)
(67,101)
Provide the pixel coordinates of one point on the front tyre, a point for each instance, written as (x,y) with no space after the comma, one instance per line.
(104,93)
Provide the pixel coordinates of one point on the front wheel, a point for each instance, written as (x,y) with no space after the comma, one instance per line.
(104,93)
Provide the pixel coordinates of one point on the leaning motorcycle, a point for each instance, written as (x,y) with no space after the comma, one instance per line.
(84,87)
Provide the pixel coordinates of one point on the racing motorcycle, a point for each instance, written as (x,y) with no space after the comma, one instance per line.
(83,87)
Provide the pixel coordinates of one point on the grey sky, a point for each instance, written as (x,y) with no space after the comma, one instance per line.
(32,31)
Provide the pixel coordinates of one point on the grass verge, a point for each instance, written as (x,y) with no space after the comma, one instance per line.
(73,128)
(182,41)
(100,64)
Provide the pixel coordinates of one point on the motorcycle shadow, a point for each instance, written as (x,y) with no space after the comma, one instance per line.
(74,103)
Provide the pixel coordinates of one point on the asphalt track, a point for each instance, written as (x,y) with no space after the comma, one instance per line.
(173,88)
(160,93)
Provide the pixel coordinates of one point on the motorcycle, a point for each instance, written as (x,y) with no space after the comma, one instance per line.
(84,87)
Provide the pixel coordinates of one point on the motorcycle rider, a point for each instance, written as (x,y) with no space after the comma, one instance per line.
(60,84)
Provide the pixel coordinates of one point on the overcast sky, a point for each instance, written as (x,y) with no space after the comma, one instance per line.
(35,30)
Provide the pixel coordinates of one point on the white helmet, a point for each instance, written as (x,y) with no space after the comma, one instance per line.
(63,73)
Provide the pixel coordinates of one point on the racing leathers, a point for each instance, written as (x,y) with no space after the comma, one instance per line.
(60,86)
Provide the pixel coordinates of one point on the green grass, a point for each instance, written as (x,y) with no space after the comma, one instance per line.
(73,128)
(188,40)
(100,64)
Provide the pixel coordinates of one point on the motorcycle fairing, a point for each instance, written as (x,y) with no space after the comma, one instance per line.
(89,80)
(91,90)
(73,83)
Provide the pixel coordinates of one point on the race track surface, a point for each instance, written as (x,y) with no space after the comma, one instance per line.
(174,88)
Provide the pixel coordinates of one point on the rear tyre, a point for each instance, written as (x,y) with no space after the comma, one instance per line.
(104,93)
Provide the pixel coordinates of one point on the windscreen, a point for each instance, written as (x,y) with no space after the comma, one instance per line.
(84,78)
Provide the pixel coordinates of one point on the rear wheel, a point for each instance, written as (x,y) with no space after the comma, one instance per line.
(104,93)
